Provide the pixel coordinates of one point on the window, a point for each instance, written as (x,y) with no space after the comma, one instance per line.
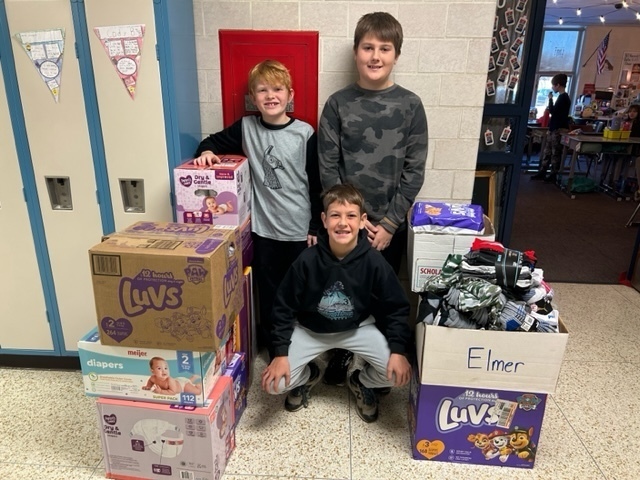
(559,54)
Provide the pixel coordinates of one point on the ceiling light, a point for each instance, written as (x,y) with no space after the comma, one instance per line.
(579,11)
(625,4)
(638,15)
(602,18)
(560,21)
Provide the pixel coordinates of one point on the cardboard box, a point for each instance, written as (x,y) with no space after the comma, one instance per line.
(123,372)
(427,251)
(239,374)
(216,195)
(478,396)
(151,441)
(167,285)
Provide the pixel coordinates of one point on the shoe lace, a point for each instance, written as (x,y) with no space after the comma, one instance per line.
(304,393)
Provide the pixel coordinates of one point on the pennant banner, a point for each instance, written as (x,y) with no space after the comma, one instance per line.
(123,44)
(45,49)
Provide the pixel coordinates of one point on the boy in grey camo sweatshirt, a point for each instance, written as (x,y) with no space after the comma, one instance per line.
(373,135)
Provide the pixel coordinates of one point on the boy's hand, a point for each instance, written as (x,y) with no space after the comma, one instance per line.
(312,240)
(398,365)
(206,158)
(278,368)
(378,236)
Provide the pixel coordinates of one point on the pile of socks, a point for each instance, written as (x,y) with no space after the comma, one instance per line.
(492,288)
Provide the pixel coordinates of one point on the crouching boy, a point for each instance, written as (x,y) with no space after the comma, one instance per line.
(325,302)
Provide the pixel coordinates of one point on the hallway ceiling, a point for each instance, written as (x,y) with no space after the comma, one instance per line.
(614,12)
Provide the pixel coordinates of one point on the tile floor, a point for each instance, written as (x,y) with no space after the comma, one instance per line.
(48,428)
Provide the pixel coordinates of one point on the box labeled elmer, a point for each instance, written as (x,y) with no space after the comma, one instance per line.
(151,375)
(219,194)
(167,285)
(152,441)
(479,396)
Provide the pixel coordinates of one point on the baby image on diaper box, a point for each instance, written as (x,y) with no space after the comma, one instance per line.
(143,440)
(152,375)
(219,194)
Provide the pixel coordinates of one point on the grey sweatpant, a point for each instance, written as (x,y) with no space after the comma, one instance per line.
(367,341)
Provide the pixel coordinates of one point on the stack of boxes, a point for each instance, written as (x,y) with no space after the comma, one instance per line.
(167,298)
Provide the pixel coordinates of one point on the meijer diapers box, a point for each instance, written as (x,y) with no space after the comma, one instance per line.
(478,396)
(167,285)
(219,194)
(428,250)
(152,441)
(153,375)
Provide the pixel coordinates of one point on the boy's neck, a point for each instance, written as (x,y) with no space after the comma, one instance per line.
(561,90)
(341,251)
(280,120)
(382,85)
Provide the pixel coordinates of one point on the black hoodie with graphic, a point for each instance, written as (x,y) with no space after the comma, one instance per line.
(327,295)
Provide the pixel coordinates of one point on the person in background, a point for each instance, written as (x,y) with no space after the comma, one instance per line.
(373,135)
(632,116)
(285,197)
(326,301)
(558,124)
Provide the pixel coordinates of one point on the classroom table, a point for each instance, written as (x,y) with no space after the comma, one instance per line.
(594,144)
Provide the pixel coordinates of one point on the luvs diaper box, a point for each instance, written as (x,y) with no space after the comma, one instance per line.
(143,440)
(167,285)
(238,372)
(219,194)
(479,396)
(153,375)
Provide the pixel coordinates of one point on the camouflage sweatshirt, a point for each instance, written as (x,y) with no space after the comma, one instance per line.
(375,140)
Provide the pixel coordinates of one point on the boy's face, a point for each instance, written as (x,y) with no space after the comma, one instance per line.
(375,60)
(343,221)
(271,101)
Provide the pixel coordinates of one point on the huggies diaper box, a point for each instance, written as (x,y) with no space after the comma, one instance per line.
(153,375)
(478,396)
(219,194)
(166,285)
(439,229)
(153,441)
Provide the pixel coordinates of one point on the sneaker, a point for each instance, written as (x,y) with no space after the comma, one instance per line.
(538,176)
(336,372)
(551,178)
(382,391)
(366,401)
(299,396)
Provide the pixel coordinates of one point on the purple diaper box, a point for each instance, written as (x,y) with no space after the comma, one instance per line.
(479,396)
(447,217)
(237,370)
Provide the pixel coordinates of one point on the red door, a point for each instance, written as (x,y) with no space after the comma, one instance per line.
(240,50)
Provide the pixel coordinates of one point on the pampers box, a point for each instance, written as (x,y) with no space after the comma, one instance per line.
(124,372)
(166,285)
(153,441)
(219,194)
(478,396)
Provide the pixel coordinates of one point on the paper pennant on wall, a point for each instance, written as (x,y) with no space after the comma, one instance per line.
(45,49)
(123,44)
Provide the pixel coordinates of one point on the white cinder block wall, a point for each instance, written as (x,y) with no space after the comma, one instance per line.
(444,60)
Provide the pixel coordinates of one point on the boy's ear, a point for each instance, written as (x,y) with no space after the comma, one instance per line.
(323,217)
(291,92)
(363,217)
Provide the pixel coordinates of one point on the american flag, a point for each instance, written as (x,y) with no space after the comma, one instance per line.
(602,53)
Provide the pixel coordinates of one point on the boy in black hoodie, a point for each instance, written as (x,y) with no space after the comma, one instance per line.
(325,302)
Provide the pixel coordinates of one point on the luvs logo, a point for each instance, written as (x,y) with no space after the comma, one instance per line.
(451,415)
(149,289)
(230,283)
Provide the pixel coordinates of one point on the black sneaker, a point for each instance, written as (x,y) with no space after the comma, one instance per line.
(336,372)
(366,400)
(538,176)
(299,396)
(551,178)
(382,391)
